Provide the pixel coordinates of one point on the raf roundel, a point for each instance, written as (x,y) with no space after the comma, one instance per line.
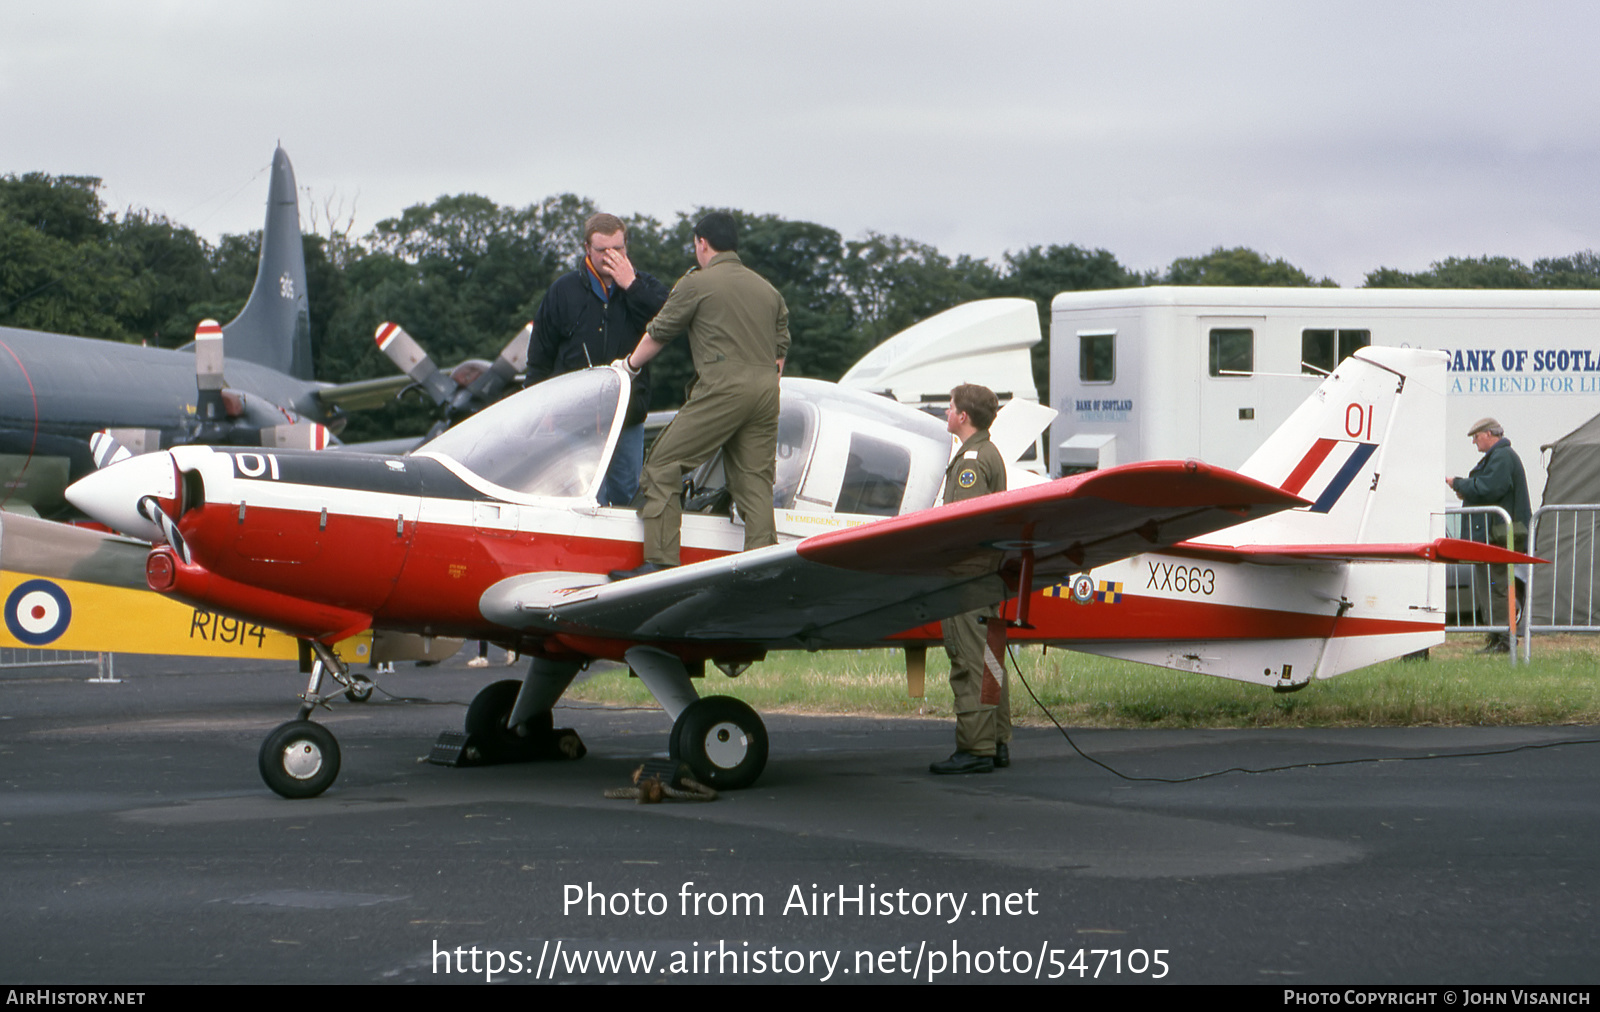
(38,612)
(967,477)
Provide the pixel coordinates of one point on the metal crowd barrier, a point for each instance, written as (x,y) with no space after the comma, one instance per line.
(1563,596)
(1469,607)
(12,658)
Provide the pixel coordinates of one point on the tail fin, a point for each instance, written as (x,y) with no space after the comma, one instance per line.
(274,328)
(1366,448)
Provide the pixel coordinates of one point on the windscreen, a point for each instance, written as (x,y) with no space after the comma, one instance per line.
(548,440)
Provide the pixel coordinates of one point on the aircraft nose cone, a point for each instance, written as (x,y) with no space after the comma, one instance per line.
(111,495)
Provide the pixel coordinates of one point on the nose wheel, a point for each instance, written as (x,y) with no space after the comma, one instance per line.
(299,759)
(722,741)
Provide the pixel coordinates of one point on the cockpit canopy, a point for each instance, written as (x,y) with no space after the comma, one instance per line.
(839,450)
(551,439)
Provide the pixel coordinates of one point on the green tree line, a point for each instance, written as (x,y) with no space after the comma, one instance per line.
(463,274)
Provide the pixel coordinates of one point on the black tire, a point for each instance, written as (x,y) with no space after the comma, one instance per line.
(487,729)
(722,741)
(299,759)
(360,690)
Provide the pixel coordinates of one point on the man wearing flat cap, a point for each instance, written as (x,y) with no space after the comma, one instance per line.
(1497,480)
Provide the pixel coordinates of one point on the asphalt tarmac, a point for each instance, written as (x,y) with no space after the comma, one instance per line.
(139,845)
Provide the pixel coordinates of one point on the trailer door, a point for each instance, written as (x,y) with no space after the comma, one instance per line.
(1228,350)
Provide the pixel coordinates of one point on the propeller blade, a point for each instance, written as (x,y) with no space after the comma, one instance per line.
(150,509)
(106,449)
(208,366)
(300,435)
(487,386)
(404,351)
(110,446)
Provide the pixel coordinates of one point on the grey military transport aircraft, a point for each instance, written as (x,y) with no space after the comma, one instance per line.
(247,383)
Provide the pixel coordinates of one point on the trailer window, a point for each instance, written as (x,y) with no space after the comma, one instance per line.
(1321,350)
(1233,352)
(1097,358)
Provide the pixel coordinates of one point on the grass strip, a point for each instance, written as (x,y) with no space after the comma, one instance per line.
(1455,686)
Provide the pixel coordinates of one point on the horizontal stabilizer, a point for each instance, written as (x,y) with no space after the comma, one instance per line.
(1438,550)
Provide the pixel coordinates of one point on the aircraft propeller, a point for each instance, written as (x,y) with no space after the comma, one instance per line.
(469,386)
(222,416)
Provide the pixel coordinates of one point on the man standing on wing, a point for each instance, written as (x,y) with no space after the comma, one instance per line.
(983,730)
(590,317)
(738,329)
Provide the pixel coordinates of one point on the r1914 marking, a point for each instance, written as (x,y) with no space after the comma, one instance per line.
(216,628)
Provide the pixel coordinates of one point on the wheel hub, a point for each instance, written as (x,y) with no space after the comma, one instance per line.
(302,760)
(726,745)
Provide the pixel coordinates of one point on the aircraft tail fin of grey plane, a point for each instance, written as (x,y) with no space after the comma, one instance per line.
(274,328)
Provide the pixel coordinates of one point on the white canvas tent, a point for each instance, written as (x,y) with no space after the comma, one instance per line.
(1568,592)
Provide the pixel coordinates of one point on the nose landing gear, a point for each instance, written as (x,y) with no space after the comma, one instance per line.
(300,759)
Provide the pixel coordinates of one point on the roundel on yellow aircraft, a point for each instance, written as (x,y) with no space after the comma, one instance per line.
(38,612)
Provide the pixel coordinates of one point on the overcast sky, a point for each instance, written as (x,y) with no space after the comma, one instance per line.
(1339,136)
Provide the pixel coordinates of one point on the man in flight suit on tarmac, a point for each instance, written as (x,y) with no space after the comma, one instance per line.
(738,329)
(983,731)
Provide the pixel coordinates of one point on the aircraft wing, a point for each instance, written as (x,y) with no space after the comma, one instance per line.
(857,585)
(66,552)
(362,395)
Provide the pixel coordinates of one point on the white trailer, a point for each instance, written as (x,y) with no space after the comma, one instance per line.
(1176,372)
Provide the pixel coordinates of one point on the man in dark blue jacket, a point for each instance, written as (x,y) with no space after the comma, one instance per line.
(594,316)
(1497,480)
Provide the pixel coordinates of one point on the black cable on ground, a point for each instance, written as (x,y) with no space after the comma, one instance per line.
(1011,653)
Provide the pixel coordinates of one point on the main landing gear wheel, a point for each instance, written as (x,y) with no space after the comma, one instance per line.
(488,731)
(723,742)
(300,759)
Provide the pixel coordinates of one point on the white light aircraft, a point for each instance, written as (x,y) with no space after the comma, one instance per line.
(1311,562)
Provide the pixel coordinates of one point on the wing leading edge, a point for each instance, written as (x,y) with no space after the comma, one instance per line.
(861,584)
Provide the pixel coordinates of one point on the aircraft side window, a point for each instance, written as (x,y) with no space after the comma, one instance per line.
(1097,358)
(874,477)
(797,429)
(1233,352)
(1321,350)
(706,487)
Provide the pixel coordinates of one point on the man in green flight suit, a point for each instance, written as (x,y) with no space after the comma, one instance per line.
(983,730)
(738,329)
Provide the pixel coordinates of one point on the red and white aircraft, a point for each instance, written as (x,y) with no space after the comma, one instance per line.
(491,531)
